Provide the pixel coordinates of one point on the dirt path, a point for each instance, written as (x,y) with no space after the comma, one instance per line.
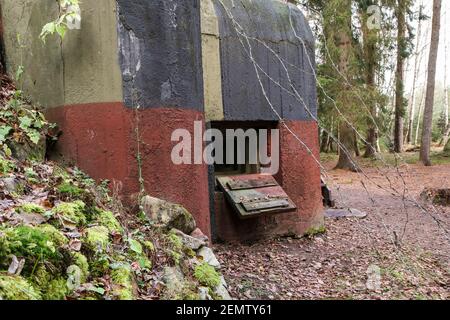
(398,248)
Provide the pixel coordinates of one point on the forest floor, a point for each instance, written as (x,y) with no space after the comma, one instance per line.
(396,252)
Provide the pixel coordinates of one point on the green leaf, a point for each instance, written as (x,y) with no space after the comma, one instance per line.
(19,73)
(47,30)
(25,122)
(7,150)
(34,135)
(61,30)
(135,246)
(4,132)
(98,290)
(38,124)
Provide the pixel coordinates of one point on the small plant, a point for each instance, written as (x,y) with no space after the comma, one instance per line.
(315,231)
(6,166)
(70,190)
(207,275)
(69,18)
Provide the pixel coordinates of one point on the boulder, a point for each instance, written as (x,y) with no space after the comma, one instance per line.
(188,241)
(10,184)
(222,290)
(203,293)
(173,279)
(168,215)
(198,234)
(207,255)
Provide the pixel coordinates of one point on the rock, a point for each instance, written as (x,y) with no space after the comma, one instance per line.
(207,255)
(345,213)
(168,215)
(31,219)
(222,290)
(174,281)
(29,151)
(9,184)
(198,234)
(203,293)
(188,241)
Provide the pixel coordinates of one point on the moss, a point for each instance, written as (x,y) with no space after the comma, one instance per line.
(56,290)
(28,242)
(207,275)
(70,190)
(71,211)
(6,166)
(122,278)
(175,242)
(17,288)
(97,238)
(31,208)
(82,262)
(149,245)
(314,231)
(54,234)
(100,265)
(176,257)
(108,220)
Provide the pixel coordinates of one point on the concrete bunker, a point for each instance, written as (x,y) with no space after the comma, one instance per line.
(163,65)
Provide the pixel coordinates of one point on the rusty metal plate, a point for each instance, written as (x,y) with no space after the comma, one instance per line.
(252,183)
(255,195)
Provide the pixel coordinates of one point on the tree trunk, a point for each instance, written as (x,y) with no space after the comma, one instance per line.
(419,117)
(344,44)
(370,40)
(446,135)
(431,81)
(399,86)
(346,138)
(412,104)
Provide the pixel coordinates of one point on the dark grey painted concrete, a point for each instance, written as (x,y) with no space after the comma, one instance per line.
(160,53)
(268,21)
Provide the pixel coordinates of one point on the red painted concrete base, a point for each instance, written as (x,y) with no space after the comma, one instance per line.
(102,140)
(299,176)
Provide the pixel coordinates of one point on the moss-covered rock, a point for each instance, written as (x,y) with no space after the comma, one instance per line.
(123,282)
(56,290)
(30,208)
(168,215)
(71,212)
(97,238)
(81,261)
(108,220)
(17,288)
(31,243)
(207,275)
(54,234)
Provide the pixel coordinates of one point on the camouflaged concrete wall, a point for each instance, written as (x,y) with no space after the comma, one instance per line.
(83,68)
(160,50)
(268,26)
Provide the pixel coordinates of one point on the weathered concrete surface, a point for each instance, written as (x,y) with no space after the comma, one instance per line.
(269,22)
(212,71)
(160,48)
(22,24)
(82,69)
(101,139)
(91,63)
